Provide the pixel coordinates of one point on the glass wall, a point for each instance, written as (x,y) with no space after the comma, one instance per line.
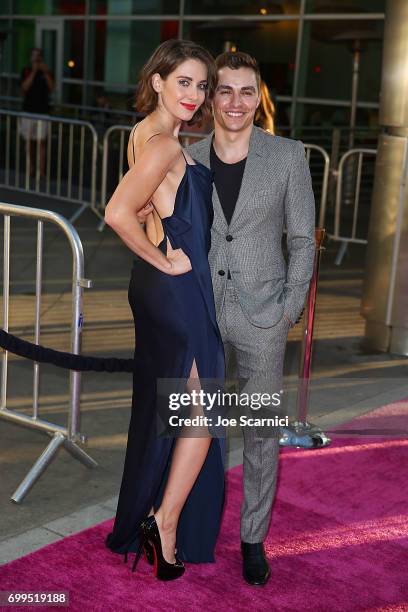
(272,43)
(134,7)
(49,7)
(327,58)
(306,58)
(345,6)
(73,49)
(240,8)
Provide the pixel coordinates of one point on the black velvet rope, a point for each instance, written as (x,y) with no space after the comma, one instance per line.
(69,361)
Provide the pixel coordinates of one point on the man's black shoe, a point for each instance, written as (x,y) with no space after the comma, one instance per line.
(255,569)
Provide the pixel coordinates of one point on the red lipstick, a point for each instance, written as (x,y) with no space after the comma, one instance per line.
(189,107)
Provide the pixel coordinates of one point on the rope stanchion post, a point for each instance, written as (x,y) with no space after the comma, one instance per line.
(301,433)
(325,180)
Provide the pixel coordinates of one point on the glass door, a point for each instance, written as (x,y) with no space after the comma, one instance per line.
(48,37)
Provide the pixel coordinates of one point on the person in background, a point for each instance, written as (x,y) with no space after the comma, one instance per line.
(37,83)
(102,118)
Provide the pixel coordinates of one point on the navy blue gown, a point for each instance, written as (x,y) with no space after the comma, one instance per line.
(175,323)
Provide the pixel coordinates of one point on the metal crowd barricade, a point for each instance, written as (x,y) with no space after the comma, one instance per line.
(114,166)
(68,147)
(67,436)
(112,175)
(339,203)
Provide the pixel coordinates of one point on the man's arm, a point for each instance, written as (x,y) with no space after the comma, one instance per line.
(300,225)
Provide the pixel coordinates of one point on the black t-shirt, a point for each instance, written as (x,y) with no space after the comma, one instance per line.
(227,181)
(37,98)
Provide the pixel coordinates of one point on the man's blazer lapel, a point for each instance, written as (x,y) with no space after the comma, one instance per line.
(252,173)
(220,222)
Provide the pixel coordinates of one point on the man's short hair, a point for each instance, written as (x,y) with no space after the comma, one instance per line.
(239,59)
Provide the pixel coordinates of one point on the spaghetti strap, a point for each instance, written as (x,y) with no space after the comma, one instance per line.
(133,141)
(158,134)
(182,152)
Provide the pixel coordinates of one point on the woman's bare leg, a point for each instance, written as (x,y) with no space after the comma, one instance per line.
(188,458)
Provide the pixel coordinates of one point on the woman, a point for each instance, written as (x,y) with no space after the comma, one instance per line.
(177,484)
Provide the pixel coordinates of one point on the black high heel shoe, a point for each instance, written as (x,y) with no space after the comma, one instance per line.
(148,552)
(162,569)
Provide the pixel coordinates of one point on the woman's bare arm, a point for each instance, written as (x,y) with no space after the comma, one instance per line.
(145,215)
(133,192)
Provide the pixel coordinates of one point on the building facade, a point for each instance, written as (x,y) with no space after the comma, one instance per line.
(306,49)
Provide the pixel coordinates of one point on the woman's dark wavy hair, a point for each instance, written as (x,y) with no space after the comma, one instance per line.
(165,60)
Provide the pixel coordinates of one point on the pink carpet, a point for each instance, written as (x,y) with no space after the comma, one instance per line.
(338,542)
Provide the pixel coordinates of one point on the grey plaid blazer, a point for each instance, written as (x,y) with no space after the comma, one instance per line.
(276,192)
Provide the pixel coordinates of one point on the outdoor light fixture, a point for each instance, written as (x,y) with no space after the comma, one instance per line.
(269,7)
(341,33)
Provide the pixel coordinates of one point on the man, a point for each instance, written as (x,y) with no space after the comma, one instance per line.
(261,184)
(36,86)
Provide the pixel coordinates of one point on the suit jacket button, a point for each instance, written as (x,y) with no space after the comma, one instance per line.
(228,237)
(221,272)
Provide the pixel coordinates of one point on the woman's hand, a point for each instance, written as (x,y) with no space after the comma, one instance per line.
(144,213)
(180,262)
